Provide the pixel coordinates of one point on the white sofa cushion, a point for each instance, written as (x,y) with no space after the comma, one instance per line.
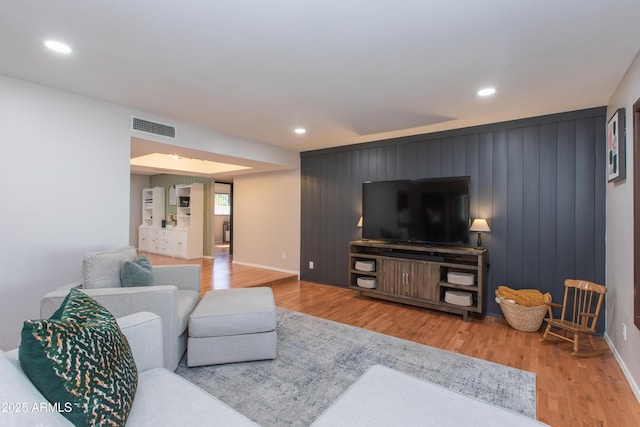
(102,269)
(226,312)
(22,403)
(165,399)
(384,397)
(186,303)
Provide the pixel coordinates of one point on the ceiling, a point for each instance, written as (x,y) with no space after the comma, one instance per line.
(348,71)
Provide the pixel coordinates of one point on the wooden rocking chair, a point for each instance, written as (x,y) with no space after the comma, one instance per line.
(580,310)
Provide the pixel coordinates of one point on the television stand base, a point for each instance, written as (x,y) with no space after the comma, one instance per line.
(416,275)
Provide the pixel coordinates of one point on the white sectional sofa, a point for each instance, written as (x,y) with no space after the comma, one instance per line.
(381,397)
(162,398)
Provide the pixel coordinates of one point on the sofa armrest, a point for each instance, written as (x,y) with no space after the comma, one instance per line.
(184,277)
(144,333)
(119,301)
(161,300)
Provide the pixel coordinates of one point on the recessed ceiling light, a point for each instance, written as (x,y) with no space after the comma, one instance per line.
(300,131)
(486,91)
(57,46)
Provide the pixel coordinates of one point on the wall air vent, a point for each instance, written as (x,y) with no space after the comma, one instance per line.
(147,126)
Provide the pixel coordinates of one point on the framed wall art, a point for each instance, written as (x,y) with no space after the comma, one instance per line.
(616,164)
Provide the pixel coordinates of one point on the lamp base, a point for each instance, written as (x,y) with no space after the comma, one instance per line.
(479,239)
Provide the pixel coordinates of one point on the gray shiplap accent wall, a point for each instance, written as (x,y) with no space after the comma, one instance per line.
(540,182)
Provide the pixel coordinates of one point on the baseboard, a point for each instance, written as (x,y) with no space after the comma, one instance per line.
(623,366)
(266,267)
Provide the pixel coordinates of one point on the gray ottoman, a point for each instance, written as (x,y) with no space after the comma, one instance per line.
(232,325)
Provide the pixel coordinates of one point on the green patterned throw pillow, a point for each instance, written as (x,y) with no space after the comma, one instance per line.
(81,362)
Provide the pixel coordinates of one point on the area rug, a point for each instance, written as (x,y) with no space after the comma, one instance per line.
(317,360)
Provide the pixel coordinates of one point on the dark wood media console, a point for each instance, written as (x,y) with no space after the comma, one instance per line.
(419,275)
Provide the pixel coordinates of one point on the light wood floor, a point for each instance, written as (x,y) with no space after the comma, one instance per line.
(571,391)
(226,275)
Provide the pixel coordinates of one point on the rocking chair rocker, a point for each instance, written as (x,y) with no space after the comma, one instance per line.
(580,310)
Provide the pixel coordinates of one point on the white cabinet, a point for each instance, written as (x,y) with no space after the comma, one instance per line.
(165,242)
(144,239)
(185,240)
(180,243)
(154,240)
(190,212)
(152,207)
(152,216)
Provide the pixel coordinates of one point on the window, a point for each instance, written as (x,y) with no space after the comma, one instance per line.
(222,204)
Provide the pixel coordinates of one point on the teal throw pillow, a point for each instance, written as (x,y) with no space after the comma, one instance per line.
(137,273)
(81,362)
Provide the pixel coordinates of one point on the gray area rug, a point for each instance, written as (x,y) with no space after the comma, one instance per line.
(317,360)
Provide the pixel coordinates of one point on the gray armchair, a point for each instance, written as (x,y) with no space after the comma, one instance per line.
(173,298)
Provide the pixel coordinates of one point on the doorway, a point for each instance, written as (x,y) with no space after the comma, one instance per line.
(222,218)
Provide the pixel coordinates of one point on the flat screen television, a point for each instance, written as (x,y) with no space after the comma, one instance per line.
(423,211)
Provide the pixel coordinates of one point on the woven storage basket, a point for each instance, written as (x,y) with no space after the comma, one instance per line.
(522,318)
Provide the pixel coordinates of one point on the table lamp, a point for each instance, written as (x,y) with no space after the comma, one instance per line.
(480,225)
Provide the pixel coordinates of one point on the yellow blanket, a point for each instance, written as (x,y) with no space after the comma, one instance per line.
(525,297)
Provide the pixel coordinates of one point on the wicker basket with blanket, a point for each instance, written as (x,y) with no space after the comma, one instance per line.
(524,309)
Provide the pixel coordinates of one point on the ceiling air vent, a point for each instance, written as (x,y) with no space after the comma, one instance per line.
(147,126)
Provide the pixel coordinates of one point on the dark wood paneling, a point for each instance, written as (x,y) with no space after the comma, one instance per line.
(540,182)
(585,197)
(446,157)
(408,162)
(599,206)
(310,199)
(485,178)
(459,156)
(498,217)
(392,161)
(515,206)
(471,169)
(548,206)
(434,158)
(531,207)
(566,185)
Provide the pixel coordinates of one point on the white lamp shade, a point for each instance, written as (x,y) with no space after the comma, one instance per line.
(480,225)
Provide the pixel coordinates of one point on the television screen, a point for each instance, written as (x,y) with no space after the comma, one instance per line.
(431,211)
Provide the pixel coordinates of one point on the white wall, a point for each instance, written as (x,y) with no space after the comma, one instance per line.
(266,220)
(65,175)
(619,250)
